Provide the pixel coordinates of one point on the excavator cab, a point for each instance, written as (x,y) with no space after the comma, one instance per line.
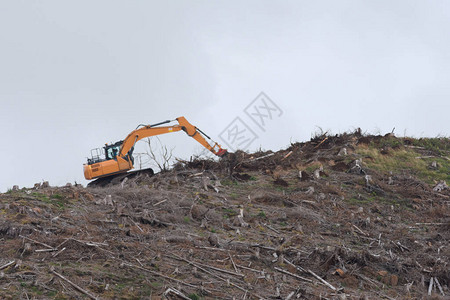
(111,151)
(108,152)
(106,161)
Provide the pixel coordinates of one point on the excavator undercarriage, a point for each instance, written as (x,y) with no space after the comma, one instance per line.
(119,178)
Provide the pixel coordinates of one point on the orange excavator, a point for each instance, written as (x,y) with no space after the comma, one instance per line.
(118,157)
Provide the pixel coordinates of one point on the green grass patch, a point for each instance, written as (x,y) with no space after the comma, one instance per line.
(405,159)
(388,200)
(439,146)
(56,199)
(228,213)
(57,196)
(262,214)
(388,141)
(51,294)
(229,182)
(312,167)
(194,297)
(41,197)
(358,201)
(234,196)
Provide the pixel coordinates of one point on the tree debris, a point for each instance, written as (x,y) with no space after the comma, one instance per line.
(299,223)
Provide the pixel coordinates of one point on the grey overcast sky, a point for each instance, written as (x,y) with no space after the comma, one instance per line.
(77,74)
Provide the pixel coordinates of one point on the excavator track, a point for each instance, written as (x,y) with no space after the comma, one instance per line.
(118,178)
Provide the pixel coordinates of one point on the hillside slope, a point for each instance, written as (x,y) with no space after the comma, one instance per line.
(338,217)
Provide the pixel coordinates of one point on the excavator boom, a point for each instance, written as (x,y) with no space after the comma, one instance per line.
(119,156)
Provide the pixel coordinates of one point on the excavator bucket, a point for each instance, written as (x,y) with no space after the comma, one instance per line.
(222,152)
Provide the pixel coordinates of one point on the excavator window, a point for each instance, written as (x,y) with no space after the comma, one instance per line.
(112,151)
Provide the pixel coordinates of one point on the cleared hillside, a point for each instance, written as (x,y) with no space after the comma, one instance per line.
(338,217)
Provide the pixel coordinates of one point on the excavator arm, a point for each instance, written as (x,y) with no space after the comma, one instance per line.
(183,124)
(123,162)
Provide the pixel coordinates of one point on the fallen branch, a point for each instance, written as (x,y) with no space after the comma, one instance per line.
(7,265)
(176,292)
(158,203)
(136,224)
(287,155)
(74,285)
(89,243)
(65,241)
(308,201)
(264,156)
(430,287)
(197,264)
(271,228)
(45,250)
(439,286)
(192,234)
(260,246)
(372,282)
(159,274)
(196,174)
(250,269)
(400,246)
(232,261)
(295,266)
(293,275)
(212,274)
(59,252)
(37,242)
(326,138)
(222,270)
(359,230)
(322,280)
(211,248)
(138,261)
